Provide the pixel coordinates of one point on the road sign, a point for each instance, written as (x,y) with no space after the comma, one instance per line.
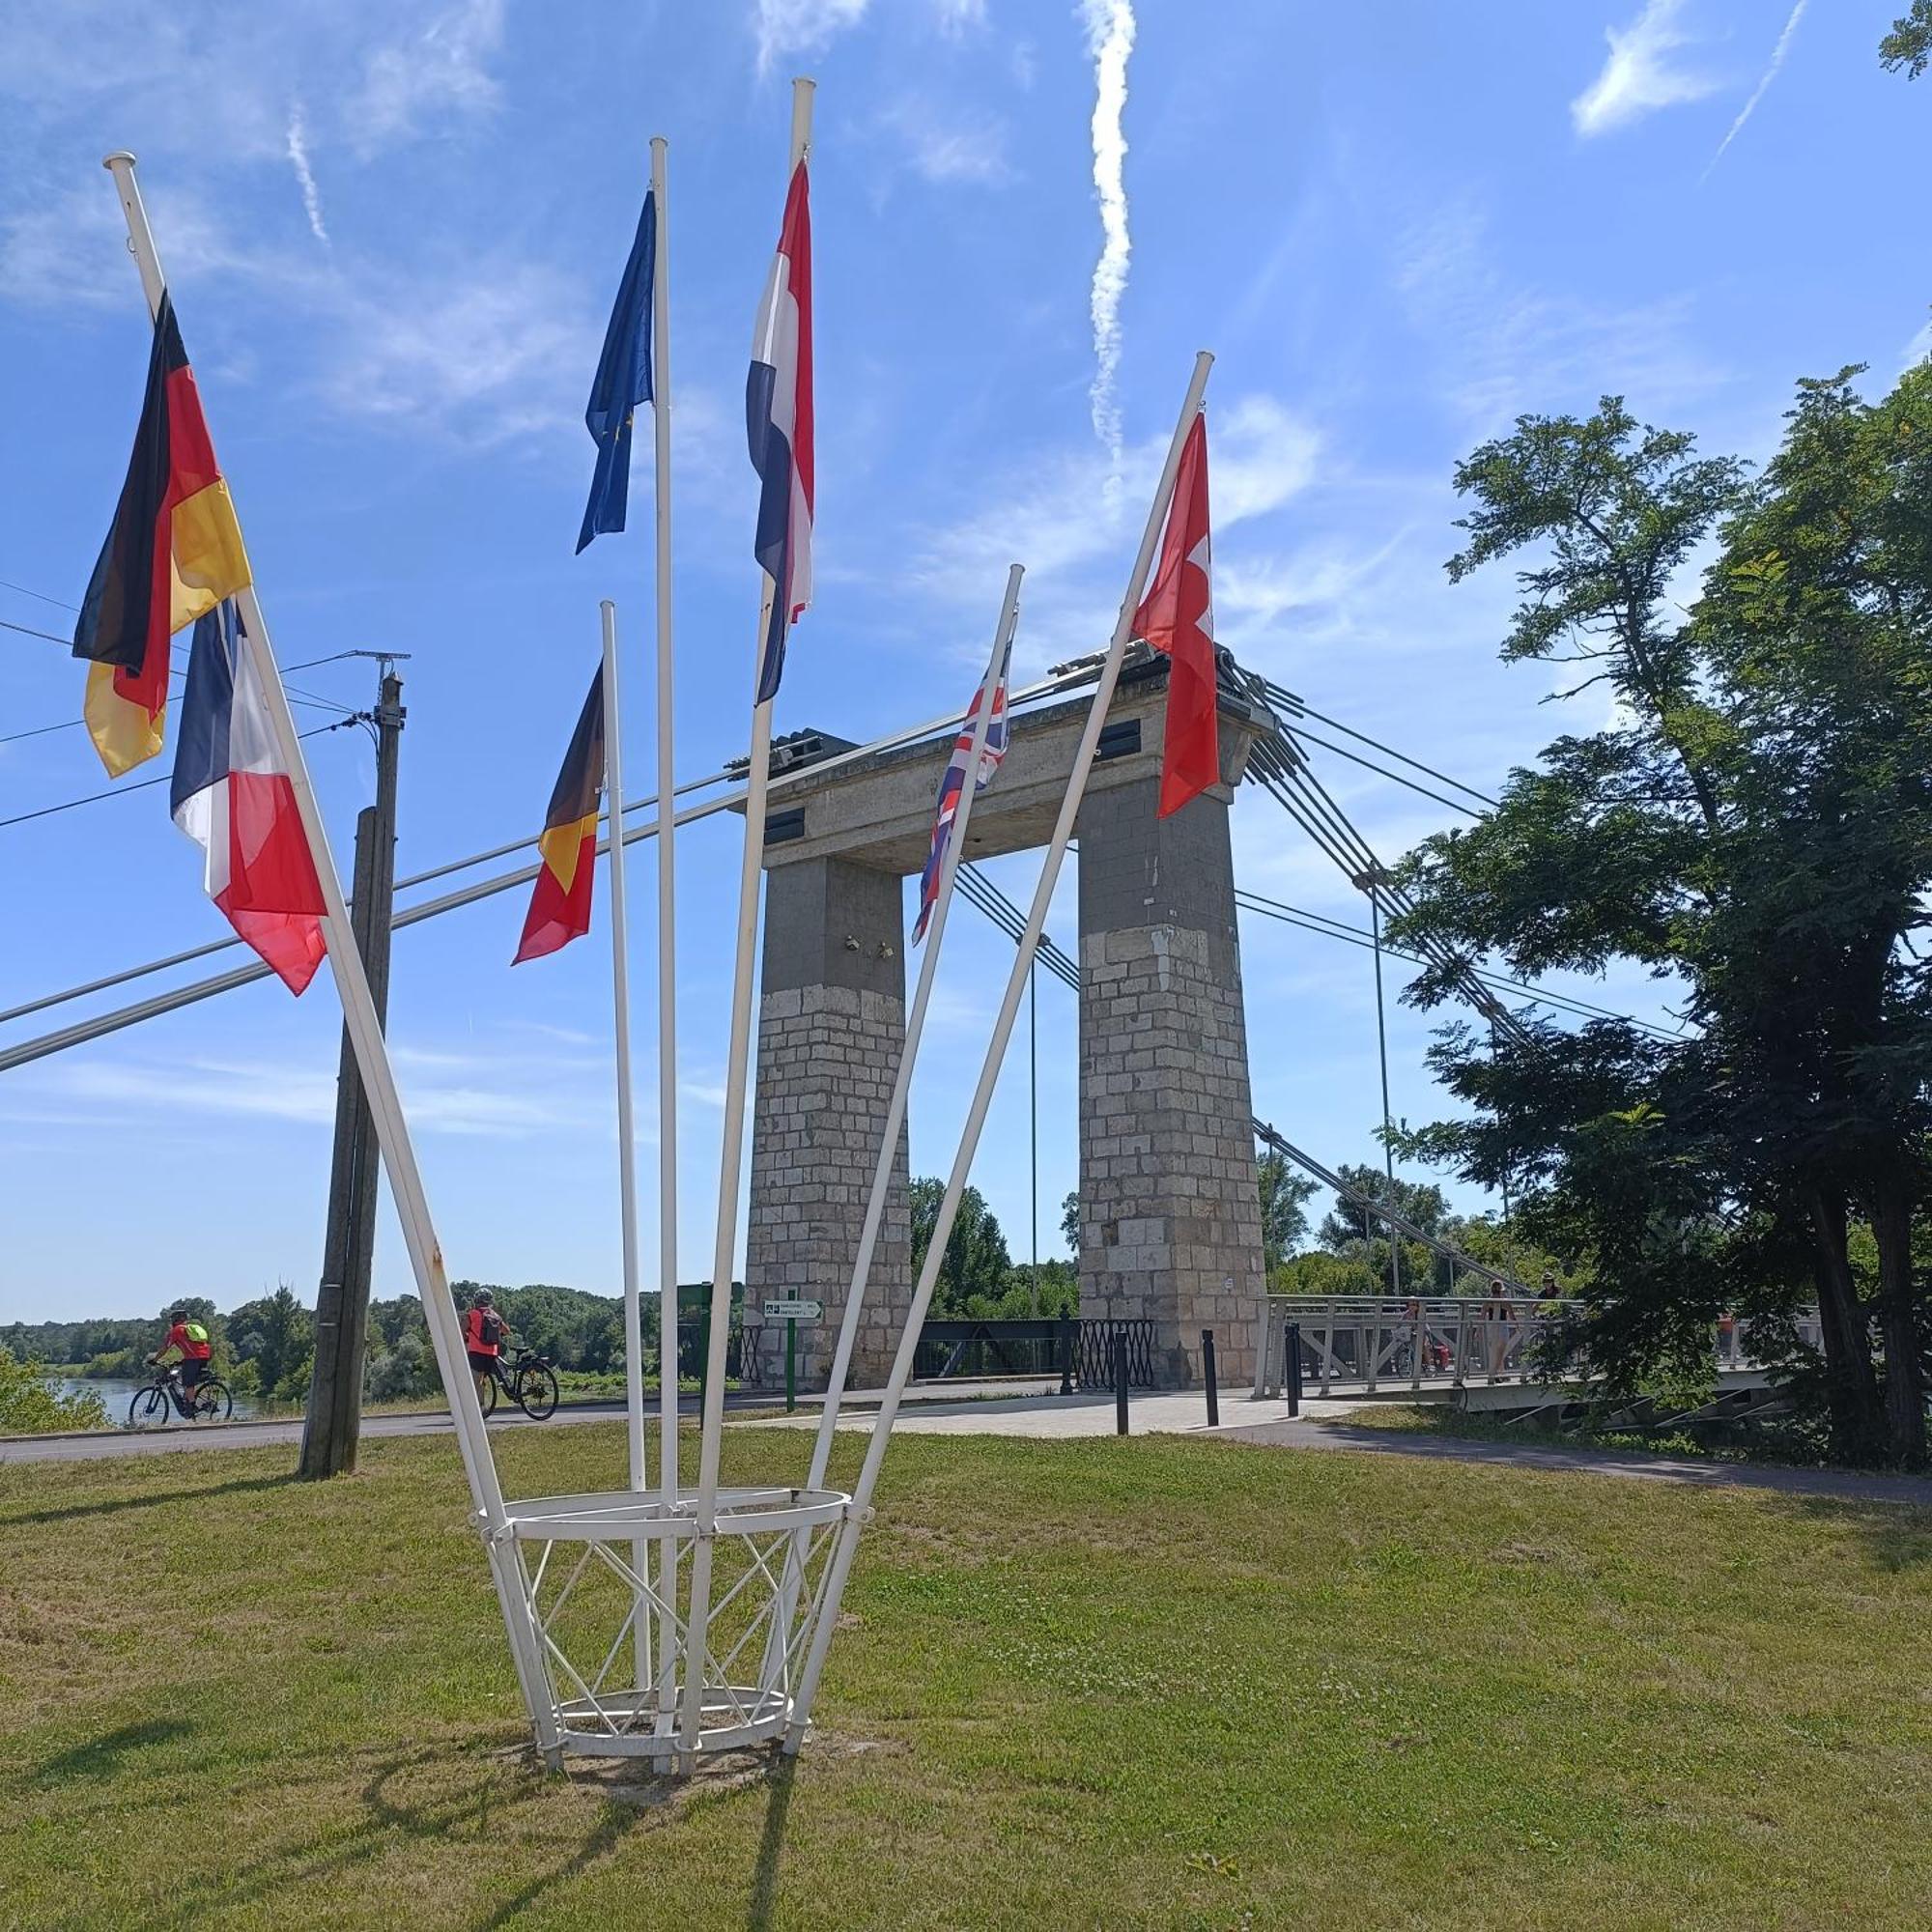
(793,1311)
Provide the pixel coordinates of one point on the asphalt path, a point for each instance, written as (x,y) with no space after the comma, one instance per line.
(1852,1486)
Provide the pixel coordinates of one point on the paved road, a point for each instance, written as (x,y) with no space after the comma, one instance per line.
(1041,1412)
(181,1436)
(1849,1485)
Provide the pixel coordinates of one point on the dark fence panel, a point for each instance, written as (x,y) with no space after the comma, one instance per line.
(1094,1356)
(742,1353)
(977,1350)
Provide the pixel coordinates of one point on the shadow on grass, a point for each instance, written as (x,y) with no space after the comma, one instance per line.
(771,1846)
(101,1756)
(1896,1540)
(152,1499)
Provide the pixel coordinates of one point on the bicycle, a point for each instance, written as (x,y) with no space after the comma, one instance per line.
(530,1381)
(156,1403)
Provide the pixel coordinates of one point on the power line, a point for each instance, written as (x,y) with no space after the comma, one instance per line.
(141,785)
(59,604)
(28,630)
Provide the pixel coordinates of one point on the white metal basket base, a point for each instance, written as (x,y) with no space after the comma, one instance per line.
(607,1584)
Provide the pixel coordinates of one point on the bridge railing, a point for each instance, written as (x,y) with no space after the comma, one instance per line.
(1367,1343)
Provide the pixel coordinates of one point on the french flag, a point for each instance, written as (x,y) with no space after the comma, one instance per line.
(778,423)
(952,784)
(232,796)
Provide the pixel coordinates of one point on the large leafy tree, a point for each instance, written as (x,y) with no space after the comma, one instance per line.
(1754,825)
(977,1263)
(1909,44)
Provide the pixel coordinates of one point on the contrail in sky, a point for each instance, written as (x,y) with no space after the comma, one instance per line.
(1110,39)
(304,176)
(1777,54)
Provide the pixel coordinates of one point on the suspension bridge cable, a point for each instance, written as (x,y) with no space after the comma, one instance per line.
(1290,701)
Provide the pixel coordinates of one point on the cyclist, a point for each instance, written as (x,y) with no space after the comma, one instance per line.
(483,1333)
(188,1340)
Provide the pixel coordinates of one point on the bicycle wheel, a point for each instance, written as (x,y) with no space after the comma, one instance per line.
(536,1390)
(213,1403)
(150,1407)
(490,1396)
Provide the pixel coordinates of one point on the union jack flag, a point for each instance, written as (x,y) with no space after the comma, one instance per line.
(954,783)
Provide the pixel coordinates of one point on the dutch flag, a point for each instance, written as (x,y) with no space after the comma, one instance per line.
(232,796)
(777,423)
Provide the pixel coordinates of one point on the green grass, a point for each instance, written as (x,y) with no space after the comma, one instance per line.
(1157,1682)
(1780,1443)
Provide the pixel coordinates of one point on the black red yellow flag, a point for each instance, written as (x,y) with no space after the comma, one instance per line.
(560,906)
(173,554)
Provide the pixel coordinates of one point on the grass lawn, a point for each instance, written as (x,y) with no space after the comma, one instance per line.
(1159,1682)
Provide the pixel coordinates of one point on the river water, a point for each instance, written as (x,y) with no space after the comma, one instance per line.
(117,1393)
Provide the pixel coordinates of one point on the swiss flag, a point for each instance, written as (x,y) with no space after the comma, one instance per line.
(1177,617)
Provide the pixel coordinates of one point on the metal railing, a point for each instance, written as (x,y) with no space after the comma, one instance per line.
(1371,1343)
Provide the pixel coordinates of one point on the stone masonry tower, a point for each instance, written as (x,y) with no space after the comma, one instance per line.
(1170,1222)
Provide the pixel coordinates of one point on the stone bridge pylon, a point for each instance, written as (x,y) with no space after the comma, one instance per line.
(1170,1224)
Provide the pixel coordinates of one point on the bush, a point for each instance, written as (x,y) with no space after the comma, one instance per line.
(31,1404)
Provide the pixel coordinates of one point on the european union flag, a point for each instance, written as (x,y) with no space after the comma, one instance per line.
(622,382)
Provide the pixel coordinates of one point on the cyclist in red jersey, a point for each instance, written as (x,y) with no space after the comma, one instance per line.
(484,1331)
(189,1340)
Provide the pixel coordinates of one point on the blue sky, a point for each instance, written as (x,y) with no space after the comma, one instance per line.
(393,233)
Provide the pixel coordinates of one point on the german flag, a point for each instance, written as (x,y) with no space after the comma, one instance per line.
(560,906)
(173,554)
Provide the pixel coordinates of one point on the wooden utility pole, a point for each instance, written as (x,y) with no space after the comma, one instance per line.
(335,1420)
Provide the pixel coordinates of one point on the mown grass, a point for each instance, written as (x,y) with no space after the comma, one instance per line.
(1157,1682)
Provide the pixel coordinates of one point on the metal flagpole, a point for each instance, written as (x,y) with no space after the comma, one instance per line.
(667,957)
(379,1083)
(627,1137)
(990,1071)
(620,989)
(1382,1049)
(895,1112)
(731,1155)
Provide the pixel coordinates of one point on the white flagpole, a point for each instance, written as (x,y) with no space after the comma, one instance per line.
(666,956)
(895,1112)
(731,1159)
(378,1084)
(996,1048)
(779,1637)
(620,991)
(627,1133)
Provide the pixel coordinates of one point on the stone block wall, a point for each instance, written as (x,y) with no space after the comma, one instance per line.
(1171,1213)
(831,1031)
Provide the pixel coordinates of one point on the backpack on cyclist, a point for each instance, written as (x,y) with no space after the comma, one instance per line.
(491,1327)
(197,1331)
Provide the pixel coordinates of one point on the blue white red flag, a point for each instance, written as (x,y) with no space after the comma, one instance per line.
(778,423)
(953,782)
(232,795)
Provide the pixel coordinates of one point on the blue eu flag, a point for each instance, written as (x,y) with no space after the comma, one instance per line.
(622,382)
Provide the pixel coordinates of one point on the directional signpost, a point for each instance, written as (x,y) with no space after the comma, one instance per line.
(791,1312)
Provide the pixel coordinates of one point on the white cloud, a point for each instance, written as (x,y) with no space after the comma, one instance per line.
(443,68)
(802,26)
(1639,76)
(1505,348)
(945,150)
(1917,349)
(1051,516)
(1777,54)
(305,175)
(437,1096)
(1110,39)
(955,16)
